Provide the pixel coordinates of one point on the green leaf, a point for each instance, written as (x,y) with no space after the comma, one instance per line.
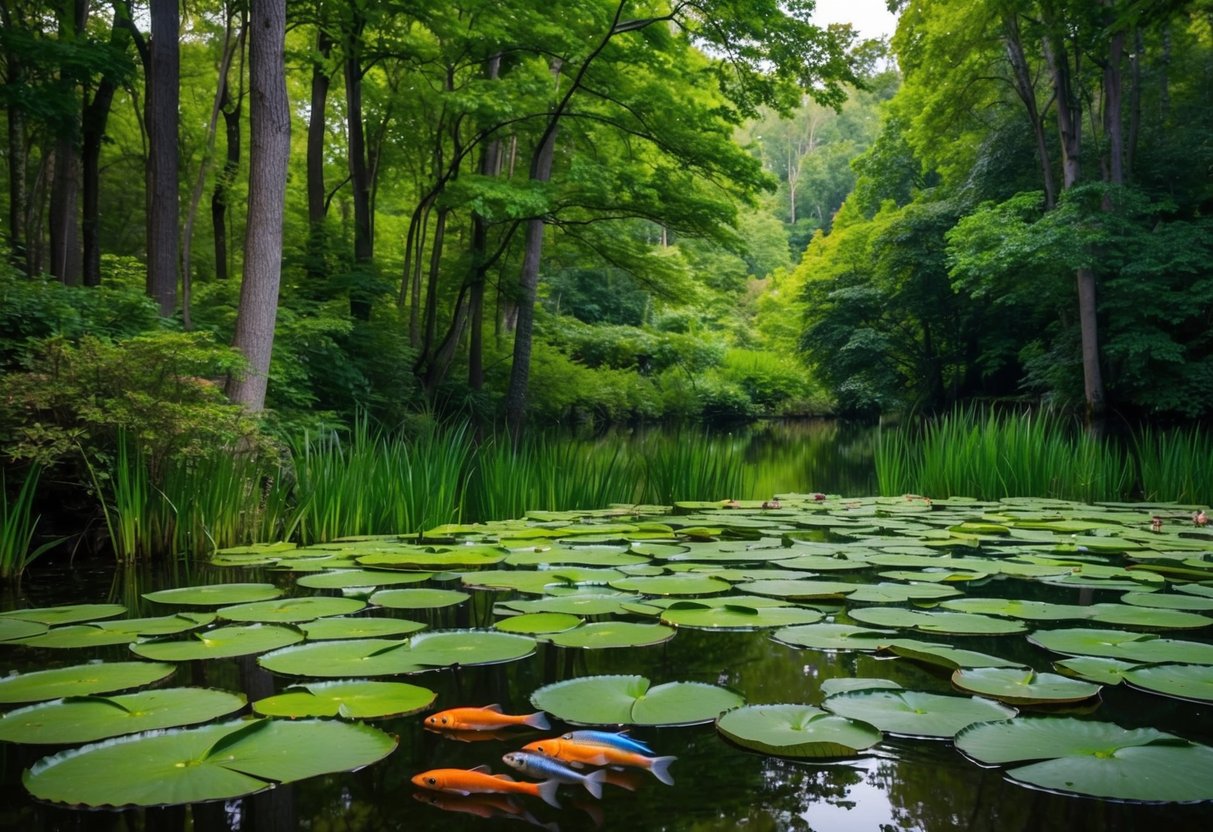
(327,629)
(221,643)
(604,634)
(68,614)
(80,680)
(348,700)
(915,714)
(1022,687)
(291,610)
(418,599)
(629,700)
(217,595)
(797,731)
(1181,681)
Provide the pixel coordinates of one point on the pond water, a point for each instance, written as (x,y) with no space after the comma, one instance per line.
(899,784)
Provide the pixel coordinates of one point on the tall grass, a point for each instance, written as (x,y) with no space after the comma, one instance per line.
(693,467)
(18,525)
(124,490)
(1176,465)
(991,455)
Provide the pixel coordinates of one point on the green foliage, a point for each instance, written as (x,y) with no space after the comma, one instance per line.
(772,382)
(1175,466)
(18,526)
(697,466)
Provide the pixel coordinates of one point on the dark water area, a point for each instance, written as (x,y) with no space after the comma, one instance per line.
(902,784)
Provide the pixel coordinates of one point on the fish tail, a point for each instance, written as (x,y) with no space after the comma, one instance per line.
(547,791)
(593,782)
(537,720)
(660,766)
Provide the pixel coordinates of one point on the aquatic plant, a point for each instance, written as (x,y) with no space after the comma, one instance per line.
(695,466)
(18,525)
(1175,465)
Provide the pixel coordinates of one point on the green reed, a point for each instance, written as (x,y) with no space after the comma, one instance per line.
(694,467)
(18,526)
(124,490)
(1176,465)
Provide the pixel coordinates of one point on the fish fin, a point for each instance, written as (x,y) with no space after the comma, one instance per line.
(495,708)
(660,766)
(538,720)
(547,791)
(503,776)
(481,769)
(593,782)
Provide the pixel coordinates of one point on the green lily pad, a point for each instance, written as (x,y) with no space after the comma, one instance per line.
(418,599)
(800,590)
(1095,669)
(1118,644)
(677,584)
(890,593)
(629,700)
(911,713)
(291,610)
(575,556)
(81,680)
(348,700)
(1168,601)
(585,604)
(534,623)
(797,731)
(463,558)
(520,580)
(221,643)
(847,684)
(12,629)
(1022,687)
(327,629)
(604,634)
(833,637)
(1193,682)
(1097,759)
(736,616)
(215,762)
(384,657)
(1203,590)
(87,718)
(1127,615)
(347,578)
(217,595)
(1011,608)
(70,614)
(79,636)
(943,655)
(164,625)
(951,623)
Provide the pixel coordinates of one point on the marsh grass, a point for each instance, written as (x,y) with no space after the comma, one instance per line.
(124,490)
(18,526)
(989,455)
(1176,465)
(695,466)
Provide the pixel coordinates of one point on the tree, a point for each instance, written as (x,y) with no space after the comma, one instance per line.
(269,151)
(163,97)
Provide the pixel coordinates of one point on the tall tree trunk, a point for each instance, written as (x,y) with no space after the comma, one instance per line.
(231,166)
(96,115)
(18,153)
(162,115)
(316,204)
(269,151)
(490,165)
(1139,47)
(65,254)
(1026,90)
(1113,102)
(364,252)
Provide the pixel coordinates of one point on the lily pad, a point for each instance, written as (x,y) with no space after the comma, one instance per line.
(629,700)
(70,614)
(87,718)
(951,623)
(12,629)
(418,599)
(736,616)
(1022,687)
(911,713)
(1127,615)
(164,625)
(291,610)
(575,555)
(1168,601)
(533,623)
(891,593)
(462,558)
(800,590)
(348,700)
(943,655)
(1013,608)
(797,731)
(1118,644)
(604,634)
(215,762)
(583,604)
(677,584)
(384,657)
(1193,682)
(1095,669)
(81,680)
(1097,759)
(216,595)
(847,684)
(77,636)
(327,629)
(346,578)
(833,637)
(221,643)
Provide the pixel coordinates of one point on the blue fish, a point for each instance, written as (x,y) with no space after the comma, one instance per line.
(621,740)
(546,768)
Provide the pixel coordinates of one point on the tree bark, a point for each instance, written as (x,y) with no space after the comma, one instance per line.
(162,115)
(364,251)
(269,150)
(1026,90)
(317,206)
(65,252)
(18,154)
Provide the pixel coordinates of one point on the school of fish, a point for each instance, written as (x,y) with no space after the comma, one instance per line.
(553,762)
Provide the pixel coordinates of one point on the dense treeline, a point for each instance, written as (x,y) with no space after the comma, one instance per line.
(1034,217)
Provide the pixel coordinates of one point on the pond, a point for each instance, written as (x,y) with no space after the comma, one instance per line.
(1032,572)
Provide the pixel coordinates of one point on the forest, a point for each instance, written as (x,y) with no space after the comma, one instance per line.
(234,225)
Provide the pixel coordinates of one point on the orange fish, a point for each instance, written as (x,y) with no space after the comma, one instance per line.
(602,755)
(480,780)
(482,719)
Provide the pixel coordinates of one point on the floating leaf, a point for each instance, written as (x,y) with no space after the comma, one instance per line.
(291,610)
(1151,618)
(14,628)
(888,593)
(737,616)
(164,625)
(383,657)
(1118,644)
(418,599)
(1168,600)
(89,718)
(604,634)
(80,636)
(952,623)
(679,584)
(833,637)
(1094,669)
(327,629)
(797,731)
(582,604)
(1012,608)
(349,700)
(1182,681)
(70,614)
(846,684)
(629,700)
(942,655)
(215,762)
(575,555)
(217,595)
(915,714)
(533,623)
(221,643)
(800,590)
(346,578)
(1097,759)
(1017,686)
(81,680)
(463,558)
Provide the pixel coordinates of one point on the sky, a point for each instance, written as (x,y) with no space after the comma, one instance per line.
(870,17)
